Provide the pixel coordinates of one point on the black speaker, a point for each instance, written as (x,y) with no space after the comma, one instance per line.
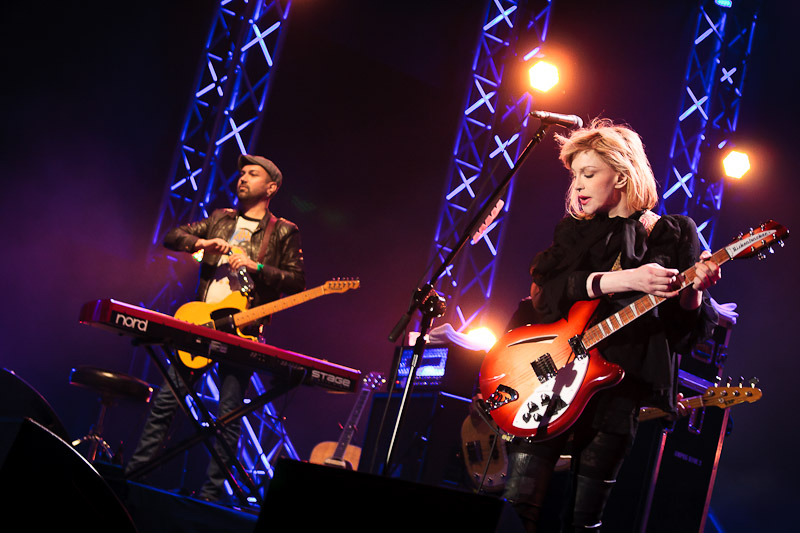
(428,446)
(666,467)
(45,485)
(687,472)
(19,400)
(309,497)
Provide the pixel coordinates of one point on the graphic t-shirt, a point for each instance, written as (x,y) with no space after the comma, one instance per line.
(225,280)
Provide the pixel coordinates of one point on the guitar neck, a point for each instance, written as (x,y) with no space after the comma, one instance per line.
(651,413)
(249,316)
(352,422)
(628,314)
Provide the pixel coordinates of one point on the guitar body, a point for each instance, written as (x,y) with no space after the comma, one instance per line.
(532,382)
(324,454)
(476,447)
(203,313)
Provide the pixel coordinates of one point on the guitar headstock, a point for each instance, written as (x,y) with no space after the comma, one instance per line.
(728,396)
(373,380)
(757,240)
(340,285)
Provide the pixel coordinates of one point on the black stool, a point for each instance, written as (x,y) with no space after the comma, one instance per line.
(111,386)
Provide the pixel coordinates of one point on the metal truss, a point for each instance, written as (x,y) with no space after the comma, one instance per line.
(223,120)
(709,111)
(489,139)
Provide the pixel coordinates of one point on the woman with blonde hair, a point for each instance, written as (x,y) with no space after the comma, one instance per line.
(611,246)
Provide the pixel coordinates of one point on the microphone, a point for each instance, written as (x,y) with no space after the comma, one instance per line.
(568,121)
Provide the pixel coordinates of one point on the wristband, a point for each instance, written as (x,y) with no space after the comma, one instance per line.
(260,267)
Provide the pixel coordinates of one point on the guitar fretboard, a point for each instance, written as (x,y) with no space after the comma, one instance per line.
(249,316)
(369,385)
(651,413)
(628,314)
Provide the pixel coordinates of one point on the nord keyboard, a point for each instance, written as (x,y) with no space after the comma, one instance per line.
(158,328)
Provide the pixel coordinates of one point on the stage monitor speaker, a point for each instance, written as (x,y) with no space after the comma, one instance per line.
(19,400)
(45,485)
(310,497)
(428,446)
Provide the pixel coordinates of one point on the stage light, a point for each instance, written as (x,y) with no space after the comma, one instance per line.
(543,76)
(724,3)
(483,337)
(736,164)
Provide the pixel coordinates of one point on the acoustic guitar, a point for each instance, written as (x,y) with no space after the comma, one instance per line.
(342,454)
(537,379)
(231,313)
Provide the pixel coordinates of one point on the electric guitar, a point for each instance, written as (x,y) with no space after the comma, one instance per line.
(342,454)
(231,313)
(537,379)
(722,397)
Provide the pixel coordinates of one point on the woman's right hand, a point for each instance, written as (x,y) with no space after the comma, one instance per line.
(654,279)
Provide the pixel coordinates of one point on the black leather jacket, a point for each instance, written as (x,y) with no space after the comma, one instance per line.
(283,258)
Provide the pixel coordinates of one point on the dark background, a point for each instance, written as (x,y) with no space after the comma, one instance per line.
(361,120)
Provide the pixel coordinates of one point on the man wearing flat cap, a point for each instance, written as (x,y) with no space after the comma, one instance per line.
(248,238)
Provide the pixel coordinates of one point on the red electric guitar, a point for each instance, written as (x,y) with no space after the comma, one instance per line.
(537,379)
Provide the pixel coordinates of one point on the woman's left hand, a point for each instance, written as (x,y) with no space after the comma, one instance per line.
(706,273)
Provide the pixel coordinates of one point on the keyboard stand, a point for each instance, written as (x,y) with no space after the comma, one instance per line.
(207,427)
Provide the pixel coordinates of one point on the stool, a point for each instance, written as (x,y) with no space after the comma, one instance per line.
(111,386)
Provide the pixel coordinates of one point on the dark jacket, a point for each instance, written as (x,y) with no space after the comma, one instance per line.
(283,258)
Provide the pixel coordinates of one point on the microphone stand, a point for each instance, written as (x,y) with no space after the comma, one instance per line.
(431,304)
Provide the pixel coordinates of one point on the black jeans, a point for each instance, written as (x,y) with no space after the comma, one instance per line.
(598,443)
(233,383)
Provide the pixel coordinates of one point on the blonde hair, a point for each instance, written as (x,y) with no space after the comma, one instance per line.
(622,149)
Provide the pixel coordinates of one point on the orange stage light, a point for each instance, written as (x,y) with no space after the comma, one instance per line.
(543,76)
(736,164)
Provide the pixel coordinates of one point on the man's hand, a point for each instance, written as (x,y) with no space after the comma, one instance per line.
(238,261)
(215,245)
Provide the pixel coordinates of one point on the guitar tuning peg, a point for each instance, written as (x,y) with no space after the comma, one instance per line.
(753,381)
(771,250)
(780,242)
(729,381)
(761,256)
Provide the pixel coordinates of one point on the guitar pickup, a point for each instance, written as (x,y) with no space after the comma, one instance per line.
(544,367)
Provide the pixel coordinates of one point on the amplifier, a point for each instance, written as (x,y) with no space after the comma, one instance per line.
(665,467)
(444,367)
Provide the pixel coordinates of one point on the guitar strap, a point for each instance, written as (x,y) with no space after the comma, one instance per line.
(648,219)
(262,251)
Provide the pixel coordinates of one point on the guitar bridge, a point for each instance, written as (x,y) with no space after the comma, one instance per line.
(576,343)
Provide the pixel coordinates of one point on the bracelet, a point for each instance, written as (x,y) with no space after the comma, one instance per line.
(260,267)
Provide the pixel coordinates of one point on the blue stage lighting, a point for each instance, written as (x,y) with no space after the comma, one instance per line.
(724,3)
